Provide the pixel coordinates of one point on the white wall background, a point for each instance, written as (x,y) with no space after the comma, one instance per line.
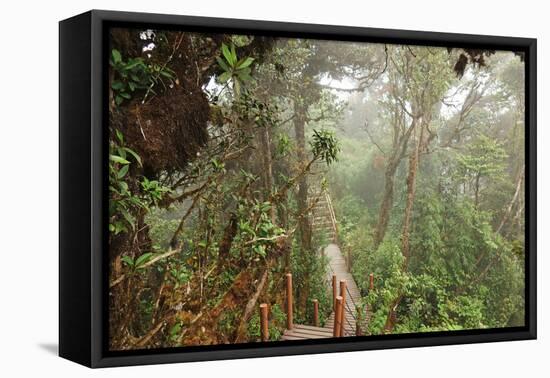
(29,189)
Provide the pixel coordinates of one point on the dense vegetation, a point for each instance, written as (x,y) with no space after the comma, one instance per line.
(221,145)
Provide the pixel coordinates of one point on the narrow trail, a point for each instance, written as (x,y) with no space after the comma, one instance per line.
(325,227)
(337,266)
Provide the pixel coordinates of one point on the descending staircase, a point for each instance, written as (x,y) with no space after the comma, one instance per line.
(324,219)
(324,227)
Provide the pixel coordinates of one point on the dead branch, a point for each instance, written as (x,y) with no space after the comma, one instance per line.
(513,201)
(250,307)
(182,221)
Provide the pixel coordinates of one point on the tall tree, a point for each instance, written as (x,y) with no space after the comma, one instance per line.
(426,77)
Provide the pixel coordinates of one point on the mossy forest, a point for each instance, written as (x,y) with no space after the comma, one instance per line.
(267,189)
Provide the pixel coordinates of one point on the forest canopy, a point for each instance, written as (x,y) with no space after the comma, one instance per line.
(234,160)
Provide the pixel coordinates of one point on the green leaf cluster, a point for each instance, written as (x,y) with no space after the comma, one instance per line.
(325,146)
(125,198)
(235,70)
(136,74)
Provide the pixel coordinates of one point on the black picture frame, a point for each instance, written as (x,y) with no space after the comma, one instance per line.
(83,188)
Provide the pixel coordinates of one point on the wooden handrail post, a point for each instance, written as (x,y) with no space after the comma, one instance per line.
(343,295)
(289,313)
(338,316)
(316,313)
(334,292)
(264,328)
(371,281)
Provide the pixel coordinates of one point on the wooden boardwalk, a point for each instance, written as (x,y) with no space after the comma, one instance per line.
(338,267)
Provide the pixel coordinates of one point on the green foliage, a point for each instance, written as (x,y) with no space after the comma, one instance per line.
(180,274)
(452,243)
(352,214)
(276,324)
(237,207)
(235,70)
(175,331)
(153,190)
(255,229)
(137,263)
(125,199)
(284,145)
(263,114)
(310,270)
(484,158)
(135,74)
(228,322)
(438,290)
(325,145)
(358,174)
(385,263)
(161,229)
(122,200)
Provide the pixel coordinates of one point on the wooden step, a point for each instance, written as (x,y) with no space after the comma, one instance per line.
(301,332)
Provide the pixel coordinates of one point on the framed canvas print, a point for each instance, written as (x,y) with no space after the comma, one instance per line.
(233,188)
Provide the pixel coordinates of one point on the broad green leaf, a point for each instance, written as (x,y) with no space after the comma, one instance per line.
(123,171)
(224,77)
(246,70)
(118,159)
(117,85)
(245,62)
(244,76)
(134,154)
(122,152)
(143,259)
(119,135)
(134,63)
(128,218)
(117,58)
(127,260)
(123,185)
(233,55)
(223,65)
(227,54)
(176,329)
(167,74)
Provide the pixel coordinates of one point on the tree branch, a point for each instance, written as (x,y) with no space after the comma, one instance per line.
(148,263)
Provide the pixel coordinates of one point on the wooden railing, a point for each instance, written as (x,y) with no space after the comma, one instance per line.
(332,216)
(343,300)
(339,306)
